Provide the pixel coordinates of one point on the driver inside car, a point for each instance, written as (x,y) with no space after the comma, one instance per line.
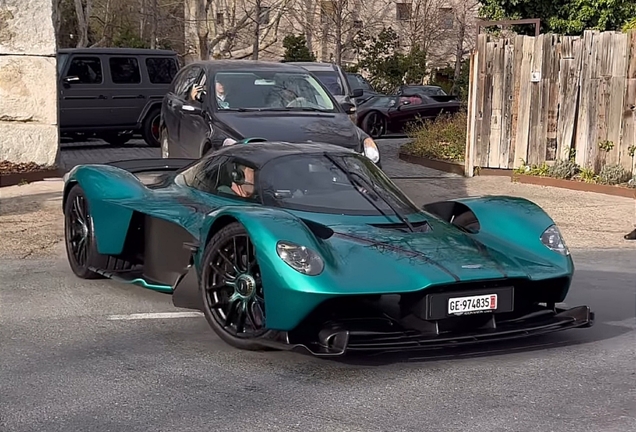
(242,182)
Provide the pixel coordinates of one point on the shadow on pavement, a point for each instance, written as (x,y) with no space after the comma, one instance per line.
(22,205)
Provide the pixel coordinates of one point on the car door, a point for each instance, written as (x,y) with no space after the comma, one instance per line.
(194,124)
(83,101)
(126,95)
(172,110)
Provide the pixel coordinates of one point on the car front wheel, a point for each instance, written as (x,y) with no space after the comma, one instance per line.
(232,289)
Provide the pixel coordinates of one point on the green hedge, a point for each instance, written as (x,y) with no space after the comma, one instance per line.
(442,139)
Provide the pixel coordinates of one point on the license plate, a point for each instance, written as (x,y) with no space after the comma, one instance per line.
(473,304)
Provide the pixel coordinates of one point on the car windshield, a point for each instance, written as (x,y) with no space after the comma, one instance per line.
(356,81)
(271,91)
(426,90)
(313,183)
(331,80)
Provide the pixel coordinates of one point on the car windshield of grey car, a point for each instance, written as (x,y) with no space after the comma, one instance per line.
(265,91)
(331,80)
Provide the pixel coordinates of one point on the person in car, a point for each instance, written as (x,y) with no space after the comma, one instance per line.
(242,184)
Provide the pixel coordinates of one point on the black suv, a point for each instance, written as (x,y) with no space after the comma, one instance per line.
(216,103)
(111,93)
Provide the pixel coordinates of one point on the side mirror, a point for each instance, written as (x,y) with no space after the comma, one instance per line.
(191,109)
(349,108)
(357,93)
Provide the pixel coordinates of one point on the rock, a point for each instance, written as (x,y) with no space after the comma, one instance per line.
(26,27)
(28,142)
(28,89)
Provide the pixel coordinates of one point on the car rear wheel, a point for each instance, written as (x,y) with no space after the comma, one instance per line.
(374,124)
(79,235)
(150,128)
(232,289)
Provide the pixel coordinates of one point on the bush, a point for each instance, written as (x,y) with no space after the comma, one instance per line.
(563,169)
(442,139)
(614,174)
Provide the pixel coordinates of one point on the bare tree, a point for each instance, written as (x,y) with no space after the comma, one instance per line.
(83,12)
(335,23)
(231,28)
(465,17)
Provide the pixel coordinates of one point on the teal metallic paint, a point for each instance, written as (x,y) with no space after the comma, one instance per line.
(359,259)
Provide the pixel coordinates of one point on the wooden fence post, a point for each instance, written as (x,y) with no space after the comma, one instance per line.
(469,158)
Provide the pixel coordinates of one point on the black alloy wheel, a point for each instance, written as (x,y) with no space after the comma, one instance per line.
(374,124)
(232,288)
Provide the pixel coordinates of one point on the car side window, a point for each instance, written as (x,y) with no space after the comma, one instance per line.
(87,69)
(204,176)
(186,81)
(161,70)
(124,70)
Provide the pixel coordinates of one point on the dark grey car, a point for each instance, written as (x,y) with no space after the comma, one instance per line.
(112,93)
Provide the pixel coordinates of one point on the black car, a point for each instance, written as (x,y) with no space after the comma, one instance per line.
(112,93)
(381,115)
(221,102)
(360,85)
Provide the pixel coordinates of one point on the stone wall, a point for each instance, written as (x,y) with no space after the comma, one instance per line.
(28,82)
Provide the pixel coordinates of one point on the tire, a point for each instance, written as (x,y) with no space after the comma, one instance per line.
(80,264)
(220,298)
(374,124)
(116,139)
(150,127)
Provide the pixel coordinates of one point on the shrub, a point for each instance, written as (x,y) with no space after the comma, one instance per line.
(614,174)
(563,169)
(442,139)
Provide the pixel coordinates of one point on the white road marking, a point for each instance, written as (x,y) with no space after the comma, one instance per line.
(155,315)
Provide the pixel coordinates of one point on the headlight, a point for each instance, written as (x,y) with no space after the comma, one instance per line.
(371,150)
(228,142)
(300,258)
(553,240)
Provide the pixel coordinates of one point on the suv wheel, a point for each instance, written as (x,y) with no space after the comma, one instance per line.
(150,128)
(116,139)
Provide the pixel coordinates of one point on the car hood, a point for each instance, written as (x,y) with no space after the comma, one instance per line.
(373,259)
(335,129)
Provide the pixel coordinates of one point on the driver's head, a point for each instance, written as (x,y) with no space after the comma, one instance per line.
(245,187)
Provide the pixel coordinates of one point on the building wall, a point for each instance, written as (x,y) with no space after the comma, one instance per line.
(28,82)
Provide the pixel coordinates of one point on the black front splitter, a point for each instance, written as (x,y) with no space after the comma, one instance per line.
(374,335)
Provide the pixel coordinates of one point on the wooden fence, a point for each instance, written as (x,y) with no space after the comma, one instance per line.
(532,99)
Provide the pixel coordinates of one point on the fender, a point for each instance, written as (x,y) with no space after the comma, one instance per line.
(515,221)
(284,307)
(150,105)
(101,184)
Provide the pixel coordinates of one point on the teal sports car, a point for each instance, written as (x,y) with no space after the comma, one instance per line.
(313,248)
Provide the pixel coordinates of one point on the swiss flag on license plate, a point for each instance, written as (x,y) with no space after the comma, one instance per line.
(493,302)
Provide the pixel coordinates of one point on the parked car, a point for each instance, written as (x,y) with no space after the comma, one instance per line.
(269,100)
(316,250)
(434,92)
(357,81)
(112,93)
(334,78)
(381,115)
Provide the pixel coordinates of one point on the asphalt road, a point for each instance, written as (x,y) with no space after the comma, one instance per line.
(72,359)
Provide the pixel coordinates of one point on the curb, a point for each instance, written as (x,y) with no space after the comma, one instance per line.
(446,166)
(30,177)
(575,185)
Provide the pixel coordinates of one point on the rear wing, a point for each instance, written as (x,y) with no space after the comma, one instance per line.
(135,166)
